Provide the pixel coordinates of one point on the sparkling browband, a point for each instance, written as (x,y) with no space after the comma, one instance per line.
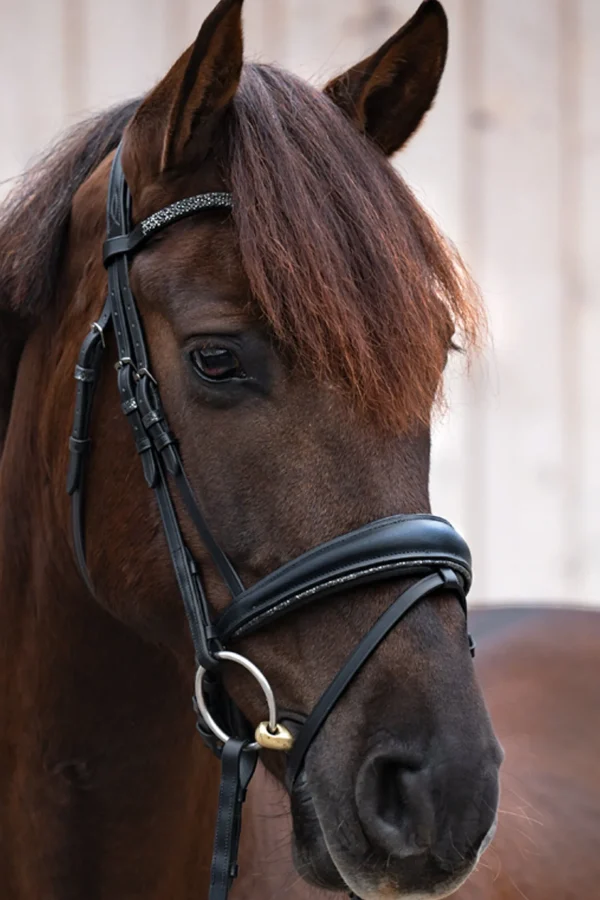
(125,244)
(182,208)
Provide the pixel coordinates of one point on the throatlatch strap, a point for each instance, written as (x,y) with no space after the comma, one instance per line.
(237,768)
(87,372)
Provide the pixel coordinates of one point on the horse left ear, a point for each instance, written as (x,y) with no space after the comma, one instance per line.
(388,94)
(185,109)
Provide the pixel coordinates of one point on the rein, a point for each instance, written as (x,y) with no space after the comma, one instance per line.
(422,546)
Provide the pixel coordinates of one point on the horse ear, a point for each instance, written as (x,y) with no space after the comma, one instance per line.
(189,103)
(388,94)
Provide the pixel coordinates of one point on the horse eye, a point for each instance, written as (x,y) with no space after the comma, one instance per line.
(217,364)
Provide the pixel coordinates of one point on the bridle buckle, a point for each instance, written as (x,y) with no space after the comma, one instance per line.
(125,361)
(144,372)
(95,326)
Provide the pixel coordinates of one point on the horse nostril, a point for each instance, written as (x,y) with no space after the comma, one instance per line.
(395,805)
(409,808)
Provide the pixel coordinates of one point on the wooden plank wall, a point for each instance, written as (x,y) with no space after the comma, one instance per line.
(509,164)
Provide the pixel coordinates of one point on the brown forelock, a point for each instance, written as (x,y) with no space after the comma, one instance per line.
(357,283)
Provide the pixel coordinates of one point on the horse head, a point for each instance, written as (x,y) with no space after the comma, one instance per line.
(298,341)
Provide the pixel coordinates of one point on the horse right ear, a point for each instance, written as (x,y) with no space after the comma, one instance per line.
(179,119)
(387,95)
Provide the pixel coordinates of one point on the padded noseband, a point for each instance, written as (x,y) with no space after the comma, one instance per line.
(387,548)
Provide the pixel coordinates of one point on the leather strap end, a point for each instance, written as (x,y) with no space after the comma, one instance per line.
(73,473)
(171,459)
(149,467)
(77,449)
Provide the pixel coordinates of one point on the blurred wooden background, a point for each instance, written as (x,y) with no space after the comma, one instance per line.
(509,164)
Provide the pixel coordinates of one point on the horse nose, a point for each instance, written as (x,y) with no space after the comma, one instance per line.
(417,808)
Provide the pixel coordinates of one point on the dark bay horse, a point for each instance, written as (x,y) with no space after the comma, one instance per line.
(540,673)
(299,342)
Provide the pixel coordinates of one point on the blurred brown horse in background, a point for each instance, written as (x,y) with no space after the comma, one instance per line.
(540,672)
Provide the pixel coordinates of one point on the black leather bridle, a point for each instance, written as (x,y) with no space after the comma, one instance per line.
(423,546)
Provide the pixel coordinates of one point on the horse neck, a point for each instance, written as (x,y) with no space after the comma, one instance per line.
(106,791)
